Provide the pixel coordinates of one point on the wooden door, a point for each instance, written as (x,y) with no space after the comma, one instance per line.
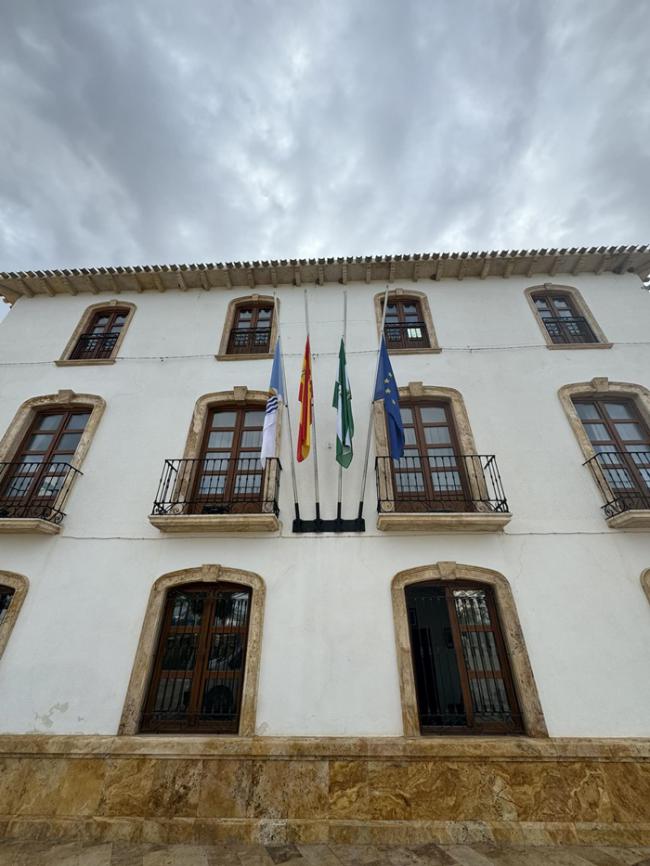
(99,341)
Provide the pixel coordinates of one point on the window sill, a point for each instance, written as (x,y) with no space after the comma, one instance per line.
(215,522)
(28,524)
(557,346)
(261,356)
(429,350)
(632,519)
(443,522)
(85,362)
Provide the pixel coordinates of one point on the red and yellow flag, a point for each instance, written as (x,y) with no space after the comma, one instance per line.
(305,397)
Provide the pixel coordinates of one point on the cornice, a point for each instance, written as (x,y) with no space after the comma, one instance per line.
(369,269)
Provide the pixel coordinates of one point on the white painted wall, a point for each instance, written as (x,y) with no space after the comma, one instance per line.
(328,653)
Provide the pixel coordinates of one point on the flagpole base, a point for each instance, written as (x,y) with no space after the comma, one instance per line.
(358,524)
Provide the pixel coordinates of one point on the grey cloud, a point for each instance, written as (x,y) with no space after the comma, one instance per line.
(159,132)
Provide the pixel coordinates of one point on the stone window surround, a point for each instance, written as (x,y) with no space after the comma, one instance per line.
(84,322)
(20,586)
(404,295)
(262,522)
(645,582)
(230,319)
(146,651)
(522,673)
(580,305)
(602,387)
(17,430)
(479,520)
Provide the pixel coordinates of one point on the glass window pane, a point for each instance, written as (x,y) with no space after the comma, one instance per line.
(446,482)
(78,422)
(586,411)
(180,652)
(436,435)
(212,485)
(226,652)
(49,422)
(618,410)
(231,609)
(432,414)
(489,697)
(472,607)
(219,699)
(251,439)
(409,436)
(188,609)
(248,484)
(39,442)
(407,415)
(6,593)
(220,439)
(597,432)
(173,694)
(629,431)
(69,441)
(223,419)
(254,418)
(50,486)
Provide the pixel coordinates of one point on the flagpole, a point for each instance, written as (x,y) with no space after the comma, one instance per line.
(345,328)
(296,505)
(362,494)
(313,416)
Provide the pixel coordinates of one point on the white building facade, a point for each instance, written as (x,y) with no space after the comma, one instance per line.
(541,362)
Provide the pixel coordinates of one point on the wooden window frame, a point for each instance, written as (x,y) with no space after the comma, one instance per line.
(579,305)
(18,429)
(20,586)
(149,640)
(231,314)
(199,672)
(606,389)
(423,300)
(523,680)
(82,328)
(472,728)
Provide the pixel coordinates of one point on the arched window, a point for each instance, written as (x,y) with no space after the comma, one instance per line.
(564,317)
(462,660)
(250,329)
(197,664)
(462,674)
(98,336)
(13,589)
(611,421)
(40,458)
(198,673)
(408,325)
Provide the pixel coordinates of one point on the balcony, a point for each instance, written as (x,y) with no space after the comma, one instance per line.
(406,335)
(32,495)
(623,478)
(94,347)
(212,494)
(451,493)
(569,330)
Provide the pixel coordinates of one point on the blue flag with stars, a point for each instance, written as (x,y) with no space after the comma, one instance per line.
(386,390)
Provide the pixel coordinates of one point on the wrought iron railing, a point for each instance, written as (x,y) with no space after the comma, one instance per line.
(450,483)
(249,341)
(570,330)
(406,335)
(218,485)
(35,490)
(94,346)
(623,478)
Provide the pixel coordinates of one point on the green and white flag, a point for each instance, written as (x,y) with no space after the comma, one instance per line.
(343,404)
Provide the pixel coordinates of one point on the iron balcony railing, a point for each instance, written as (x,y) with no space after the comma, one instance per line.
(449,483)
(570,330)
(249,341)
(35,490)
(623,478)
(406,335)
(94,346)
(218,485)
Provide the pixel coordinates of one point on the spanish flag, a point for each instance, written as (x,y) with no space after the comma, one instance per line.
(305,398)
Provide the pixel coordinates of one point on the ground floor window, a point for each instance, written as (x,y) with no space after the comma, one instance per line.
(198,675)
(461,669)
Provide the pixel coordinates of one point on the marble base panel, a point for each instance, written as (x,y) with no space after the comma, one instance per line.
(203,790)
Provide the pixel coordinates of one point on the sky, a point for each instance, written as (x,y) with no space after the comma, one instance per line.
(153,131)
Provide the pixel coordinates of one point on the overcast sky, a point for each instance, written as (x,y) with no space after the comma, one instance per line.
(153,131)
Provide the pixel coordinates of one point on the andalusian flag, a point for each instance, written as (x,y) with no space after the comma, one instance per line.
(305,398)
(343,404)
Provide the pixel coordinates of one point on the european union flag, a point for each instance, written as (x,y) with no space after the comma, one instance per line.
(386,390)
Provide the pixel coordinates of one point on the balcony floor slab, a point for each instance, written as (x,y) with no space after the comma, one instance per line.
(443,522)
(635,518)
(28,524)
(215,522)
